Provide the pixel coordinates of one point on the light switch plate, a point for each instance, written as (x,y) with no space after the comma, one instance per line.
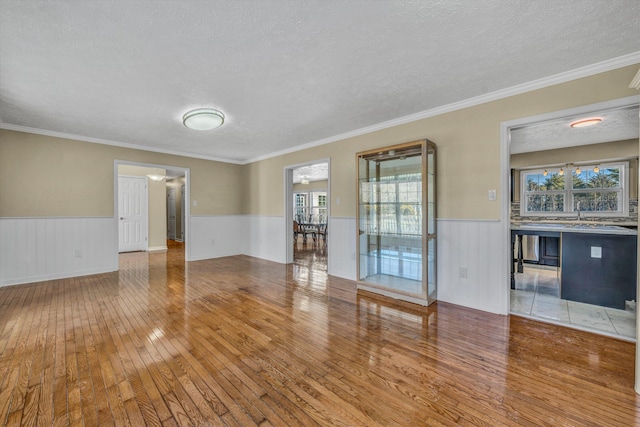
(596,252)
(492,195)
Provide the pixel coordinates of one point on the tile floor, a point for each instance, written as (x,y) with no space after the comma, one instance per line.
(537,295)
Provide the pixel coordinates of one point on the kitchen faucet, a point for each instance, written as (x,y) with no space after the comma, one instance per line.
(578,209)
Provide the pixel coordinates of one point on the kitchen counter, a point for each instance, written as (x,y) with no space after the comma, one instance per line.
(572,227)
(598,263)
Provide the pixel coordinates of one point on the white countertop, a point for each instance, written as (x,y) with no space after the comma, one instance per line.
(574,228)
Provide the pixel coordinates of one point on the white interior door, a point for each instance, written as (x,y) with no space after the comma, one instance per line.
(171,213)
(132,212)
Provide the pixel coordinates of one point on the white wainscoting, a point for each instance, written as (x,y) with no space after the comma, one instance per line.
(472,244)
(266,238)
(477,246)
(342,247)
(214,236)
(38,249)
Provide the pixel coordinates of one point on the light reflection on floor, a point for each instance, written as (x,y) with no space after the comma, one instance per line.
(310,262)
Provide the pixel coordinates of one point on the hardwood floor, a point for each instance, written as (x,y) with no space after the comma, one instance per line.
(311,256)
(242,341)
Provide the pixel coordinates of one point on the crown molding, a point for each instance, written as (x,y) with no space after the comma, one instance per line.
(82,138)
(635,83)
(589,70)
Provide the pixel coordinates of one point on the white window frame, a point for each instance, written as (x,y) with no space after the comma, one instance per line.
(569,191)
(304,207)
(309,206)
(313,208)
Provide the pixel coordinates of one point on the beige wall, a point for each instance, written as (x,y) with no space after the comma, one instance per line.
(468,151)
(586,153)
(157,203)
(48,176)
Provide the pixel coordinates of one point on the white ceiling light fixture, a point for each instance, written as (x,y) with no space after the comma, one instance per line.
(203,119)
(586,122)
(155,176)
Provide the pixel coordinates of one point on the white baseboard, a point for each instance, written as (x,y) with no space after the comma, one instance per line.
(203,257)
(46,277)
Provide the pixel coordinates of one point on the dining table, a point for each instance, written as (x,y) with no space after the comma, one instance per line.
(310,228)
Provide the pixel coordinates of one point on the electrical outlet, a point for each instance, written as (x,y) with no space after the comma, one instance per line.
(464,273)
(78,253)
(492,195)
(213,241)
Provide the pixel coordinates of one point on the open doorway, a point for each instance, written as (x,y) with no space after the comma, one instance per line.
(572,217)
(175,192)
(307,212)
(157,179)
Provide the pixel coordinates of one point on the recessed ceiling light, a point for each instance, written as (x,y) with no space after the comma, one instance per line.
(203,119)
(586,122)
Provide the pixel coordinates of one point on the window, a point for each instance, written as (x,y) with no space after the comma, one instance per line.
(397,202)
(313,203)
(595,191)
(300,205)
(319,206)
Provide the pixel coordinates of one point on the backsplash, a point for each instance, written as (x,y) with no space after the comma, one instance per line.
(633,215)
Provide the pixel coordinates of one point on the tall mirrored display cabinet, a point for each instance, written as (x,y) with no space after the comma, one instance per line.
(396,241)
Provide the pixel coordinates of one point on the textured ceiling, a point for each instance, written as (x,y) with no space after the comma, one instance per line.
(317,172)
(617,125)
(285,73)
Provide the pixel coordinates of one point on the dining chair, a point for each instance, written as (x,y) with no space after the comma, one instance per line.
(308,229)
(322,232)
(296,230)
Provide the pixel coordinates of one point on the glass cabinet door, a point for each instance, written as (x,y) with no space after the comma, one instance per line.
(396,221)
(431,221)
